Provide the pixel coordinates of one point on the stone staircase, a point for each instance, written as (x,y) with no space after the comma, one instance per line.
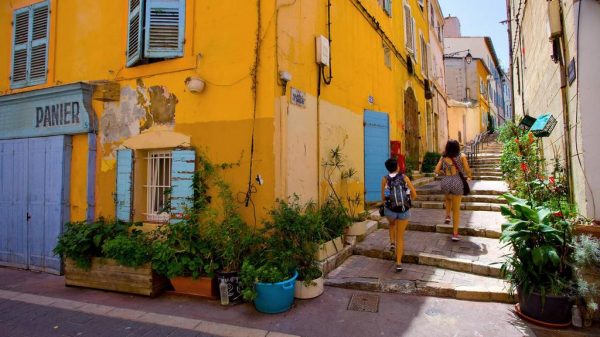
(433,264)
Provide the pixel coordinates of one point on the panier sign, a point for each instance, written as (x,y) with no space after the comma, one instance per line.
(52,111)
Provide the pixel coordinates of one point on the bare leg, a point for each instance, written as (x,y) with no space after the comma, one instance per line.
(456,199)
(448,205)
(392,230)
(400,227)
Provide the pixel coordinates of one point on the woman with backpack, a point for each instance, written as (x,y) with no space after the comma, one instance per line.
(451,167)
(396,194)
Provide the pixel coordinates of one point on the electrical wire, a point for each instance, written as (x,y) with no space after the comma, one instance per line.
(254,72)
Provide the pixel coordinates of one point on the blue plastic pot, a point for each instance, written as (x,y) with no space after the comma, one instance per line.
(273,298)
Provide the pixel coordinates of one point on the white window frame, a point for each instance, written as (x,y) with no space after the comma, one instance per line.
(158,182)
(387,55)
(409,29)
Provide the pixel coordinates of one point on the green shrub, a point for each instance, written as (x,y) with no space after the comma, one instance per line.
(132,249)
(81,241)
(430,161)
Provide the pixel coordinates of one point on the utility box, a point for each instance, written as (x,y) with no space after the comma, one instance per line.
(322,50)
(554,18)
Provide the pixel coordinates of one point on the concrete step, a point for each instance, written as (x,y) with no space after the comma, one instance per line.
(475,255)
(371,274)
(422,181)
(486,177)
(480,198)
(487,172)
(478,192)
(471,206)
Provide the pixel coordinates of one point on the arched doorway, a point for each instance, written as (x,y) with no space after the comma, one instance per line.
(411,126)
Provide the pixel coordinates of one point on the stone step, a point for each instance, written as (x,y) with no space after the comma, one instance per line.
(477,187)
(486,177)
(475,255)
(487,172)
(371,274)
(480,198)
(422,181)
(471,206)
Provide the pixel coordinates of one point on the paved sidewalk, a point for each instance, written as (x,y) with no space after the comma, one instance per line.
(20,319)
(327,315)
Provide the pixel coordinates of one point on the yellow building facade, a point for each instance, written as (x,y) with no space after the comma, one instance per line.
(238,81)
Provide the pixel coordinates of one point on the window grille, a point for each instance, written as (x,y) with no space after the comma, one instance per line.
(158,184)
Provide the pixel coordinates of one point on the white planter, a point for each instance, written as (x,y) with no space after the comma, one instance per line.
(358,228)
(329,248)
(315,289)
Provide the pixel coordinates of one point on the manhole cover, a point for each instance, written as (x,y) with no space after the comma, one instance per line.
(364,303)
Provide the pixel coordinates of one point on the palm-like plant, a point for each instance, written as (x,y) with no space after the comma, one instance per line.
(541,244)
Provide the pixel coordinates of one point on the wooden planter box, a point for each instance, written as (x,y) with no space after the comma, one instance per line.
(205,287)
(593,230)
(107,274)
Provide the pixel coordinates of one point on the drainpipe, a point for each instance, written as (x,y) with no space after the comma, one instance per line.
(565,104)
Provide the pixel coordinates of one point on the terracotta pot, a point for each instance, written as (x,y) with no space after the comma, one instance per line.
(202,287)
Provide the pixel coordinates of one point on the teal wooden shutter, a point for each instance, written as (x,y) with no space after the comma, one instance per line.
(183,165)
(39,43)
(135,32)
(387,6)
(164,32)
(20,57)
(124,184)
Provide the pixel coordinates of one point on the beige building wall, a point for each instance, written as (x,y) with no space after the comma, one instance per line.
(437,75)
(540,88)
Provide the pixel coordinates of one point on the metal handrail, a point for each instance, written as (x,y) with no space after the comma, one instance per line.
(472,148)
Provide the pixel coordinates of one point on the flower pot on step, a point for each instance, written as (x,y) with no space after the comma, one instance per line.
(205,287)
(357,228)
(589,229)
(314,289)
(274,298)
(329,248)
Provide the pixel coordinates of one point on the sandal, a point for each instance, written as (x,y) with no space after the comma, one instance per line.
(398,268)
(455,237)
(447,221)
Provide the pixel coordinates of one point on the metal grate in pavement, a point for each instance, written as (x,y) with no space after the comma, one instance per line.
(364,303)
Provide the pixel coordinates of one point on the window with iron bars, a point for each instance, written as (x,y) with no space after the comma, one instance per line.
(158,184)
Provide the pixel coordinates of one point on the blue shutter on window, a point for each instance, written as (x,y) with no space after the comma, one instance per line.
(20,57)
(39,43)
(135,31)
(183,165)
(164,34)
(124,184)
(388,7)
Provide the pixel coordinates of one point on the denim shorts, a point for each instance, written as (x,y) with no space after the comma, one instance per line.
(396,216)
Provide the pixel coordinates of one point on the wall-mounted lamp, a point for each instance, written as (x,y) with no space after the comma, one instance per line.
(285,77)
(194,84)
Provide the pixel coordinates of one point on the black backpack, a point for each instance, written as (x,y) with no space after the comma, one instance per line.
(399,195)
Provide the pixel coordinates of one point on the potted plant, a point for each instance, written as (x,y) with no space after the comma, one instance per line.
(270,271)
(335,221)
(539,268)
(180,253)
(586,260)
(109,255)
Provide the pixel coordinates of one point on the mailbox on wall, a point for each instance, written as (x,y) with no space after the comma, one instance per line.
(396,152)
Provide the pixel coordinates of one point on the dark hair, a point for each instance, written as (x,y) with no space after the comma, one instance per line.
(391,165)
(452,149)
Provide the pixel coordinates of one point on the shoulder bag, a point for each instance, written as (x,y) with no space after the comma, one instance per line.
(466,187)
